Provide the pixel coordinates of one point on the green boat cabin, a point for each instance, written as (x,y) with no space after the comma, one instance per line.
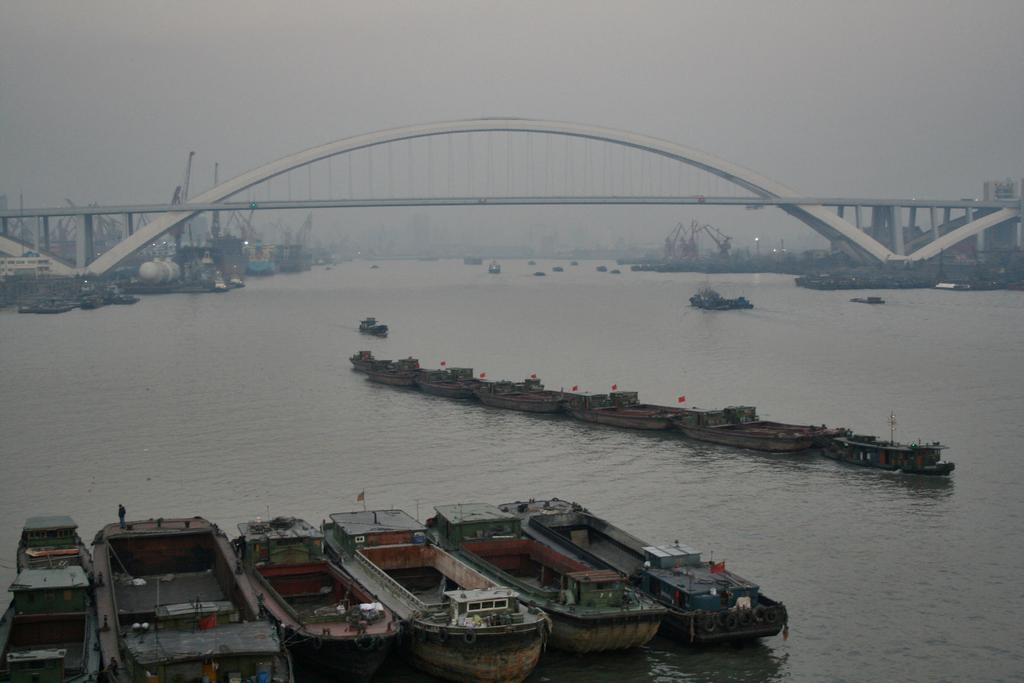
(50,591)
(51,531)
(282,540)
(458,524)
(36,666)
(351,531)
(483,607)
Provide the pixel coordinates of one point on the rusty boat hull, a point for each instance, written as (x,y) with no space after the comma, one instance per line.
(395,379)
(654,418)
(489,655)
(447,389)
(772,437)
(529,402)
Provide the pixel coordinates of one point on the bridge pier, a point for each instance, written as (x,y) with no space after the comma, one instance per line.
(896,223)
(856,218)
(3,226)
(46,233)
(129,224)
(83,243)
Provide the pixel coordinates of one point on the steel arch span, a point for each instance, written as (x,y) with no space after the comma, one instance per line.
(817,217)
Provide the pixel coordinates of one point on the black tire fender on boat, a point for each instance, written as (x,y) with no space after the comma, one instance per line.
(746,617)
(708,623)
(367,643)
(771,615)
(442,634)
(731,621)
(469,636)
(759,612)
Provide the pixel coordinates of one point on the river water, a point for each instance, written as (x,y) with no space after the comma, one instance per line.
(243,404)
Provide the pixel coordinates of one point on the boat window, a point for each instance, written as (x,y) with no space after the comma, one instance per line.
(360,539)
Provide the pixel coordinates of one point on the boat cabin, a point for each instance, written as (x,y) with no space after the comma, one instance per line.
(624,399)
(869,450)
(365,356)
(483,607)
(36,666)
(352,531)
(282,540)
(695,417)
(676,575)
(456,374)
(740,414)
(407,364)
(465,522)
(51,531)
(50,591)
(587,401)
(594,588)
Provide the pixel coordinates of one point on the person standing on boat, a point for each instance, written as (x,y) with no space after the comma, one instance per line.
(120,514)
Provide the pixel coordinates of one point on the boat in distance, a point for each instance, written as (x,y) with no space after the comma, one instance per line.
(450,383)
(527,396)
(867,300)
(371,326)
(705,603)
(459,625)
(330,622)
(710,300)
(494,268)
(591,610)
(869,451)
(170,599)
(620,409)
(400,373)
(364,360)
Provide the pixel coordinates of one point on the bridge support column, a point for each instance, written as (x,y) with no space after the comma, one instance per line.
(856,218)
(83,243)
(36,233)
(933,222)
(129,224)
(896,223)
(46,233)
(3,226)
(839,210)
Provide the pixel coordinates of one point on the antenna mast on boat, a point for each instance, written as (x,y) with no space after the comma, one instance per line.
(892,427)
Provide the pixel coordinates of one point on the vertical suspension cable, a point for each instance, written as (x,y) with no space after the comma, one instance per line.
(430,166)
(309,181)
(490,162)
(508,163)
(349,155)
(469,164)
(369,171)
(410,181)
(330,177)
(451,164)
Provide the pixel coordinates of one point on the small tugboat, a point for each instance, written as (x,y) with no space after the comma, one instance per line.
(540,273)
(558,269)
(450,383)
(173,599)
(739,426)
(620,409)
(710,300)
(363,360)
(574,263)
(615,271)
(460,626)
(494,268)
(330,622)
(867,300)
(49,633)
(602,269)
(591,610)
(401,373)
(868,451)
(371,326)
(528,396)
(531,263)
(706,603)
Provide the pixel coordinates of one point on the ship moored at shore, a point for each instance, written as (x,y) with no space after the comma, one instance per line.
(591,610)
(706,603)
(460,625)
(329,621)
(172,606)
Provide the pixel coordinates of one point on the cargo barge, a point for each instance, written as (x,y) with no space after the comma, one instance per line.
(400,373)
(527,396)
(450,383)
(739,426)
(330,622)
(620,409)
(591,610)
(171,606)
(706,603)
(50,633)
(363,360)
(460,626)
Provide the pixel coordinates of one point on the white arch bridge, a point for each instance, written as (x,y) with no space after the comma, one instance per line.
(578,164)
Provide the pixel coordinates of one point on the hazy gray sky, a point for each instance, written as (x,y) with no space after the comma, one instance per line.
(100,101)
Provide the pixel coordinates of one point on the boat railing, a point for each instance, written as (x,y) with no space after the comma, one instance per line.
(398,590)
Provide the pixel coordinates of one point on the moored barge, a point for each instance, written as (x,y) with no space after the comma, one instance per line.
(173,604)
(527,396)
(363,360)
(401,373)
(49,633)
(706,603)
(460,626)
(739,426)
(620,409)
(450,383)
(591,610)
(330,622)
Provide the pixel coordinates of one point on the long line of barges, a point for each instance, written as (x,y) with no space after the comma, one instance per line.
(737,426)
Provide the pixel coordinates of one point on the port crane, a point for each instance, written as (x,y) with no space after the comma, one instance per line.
(681,243)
